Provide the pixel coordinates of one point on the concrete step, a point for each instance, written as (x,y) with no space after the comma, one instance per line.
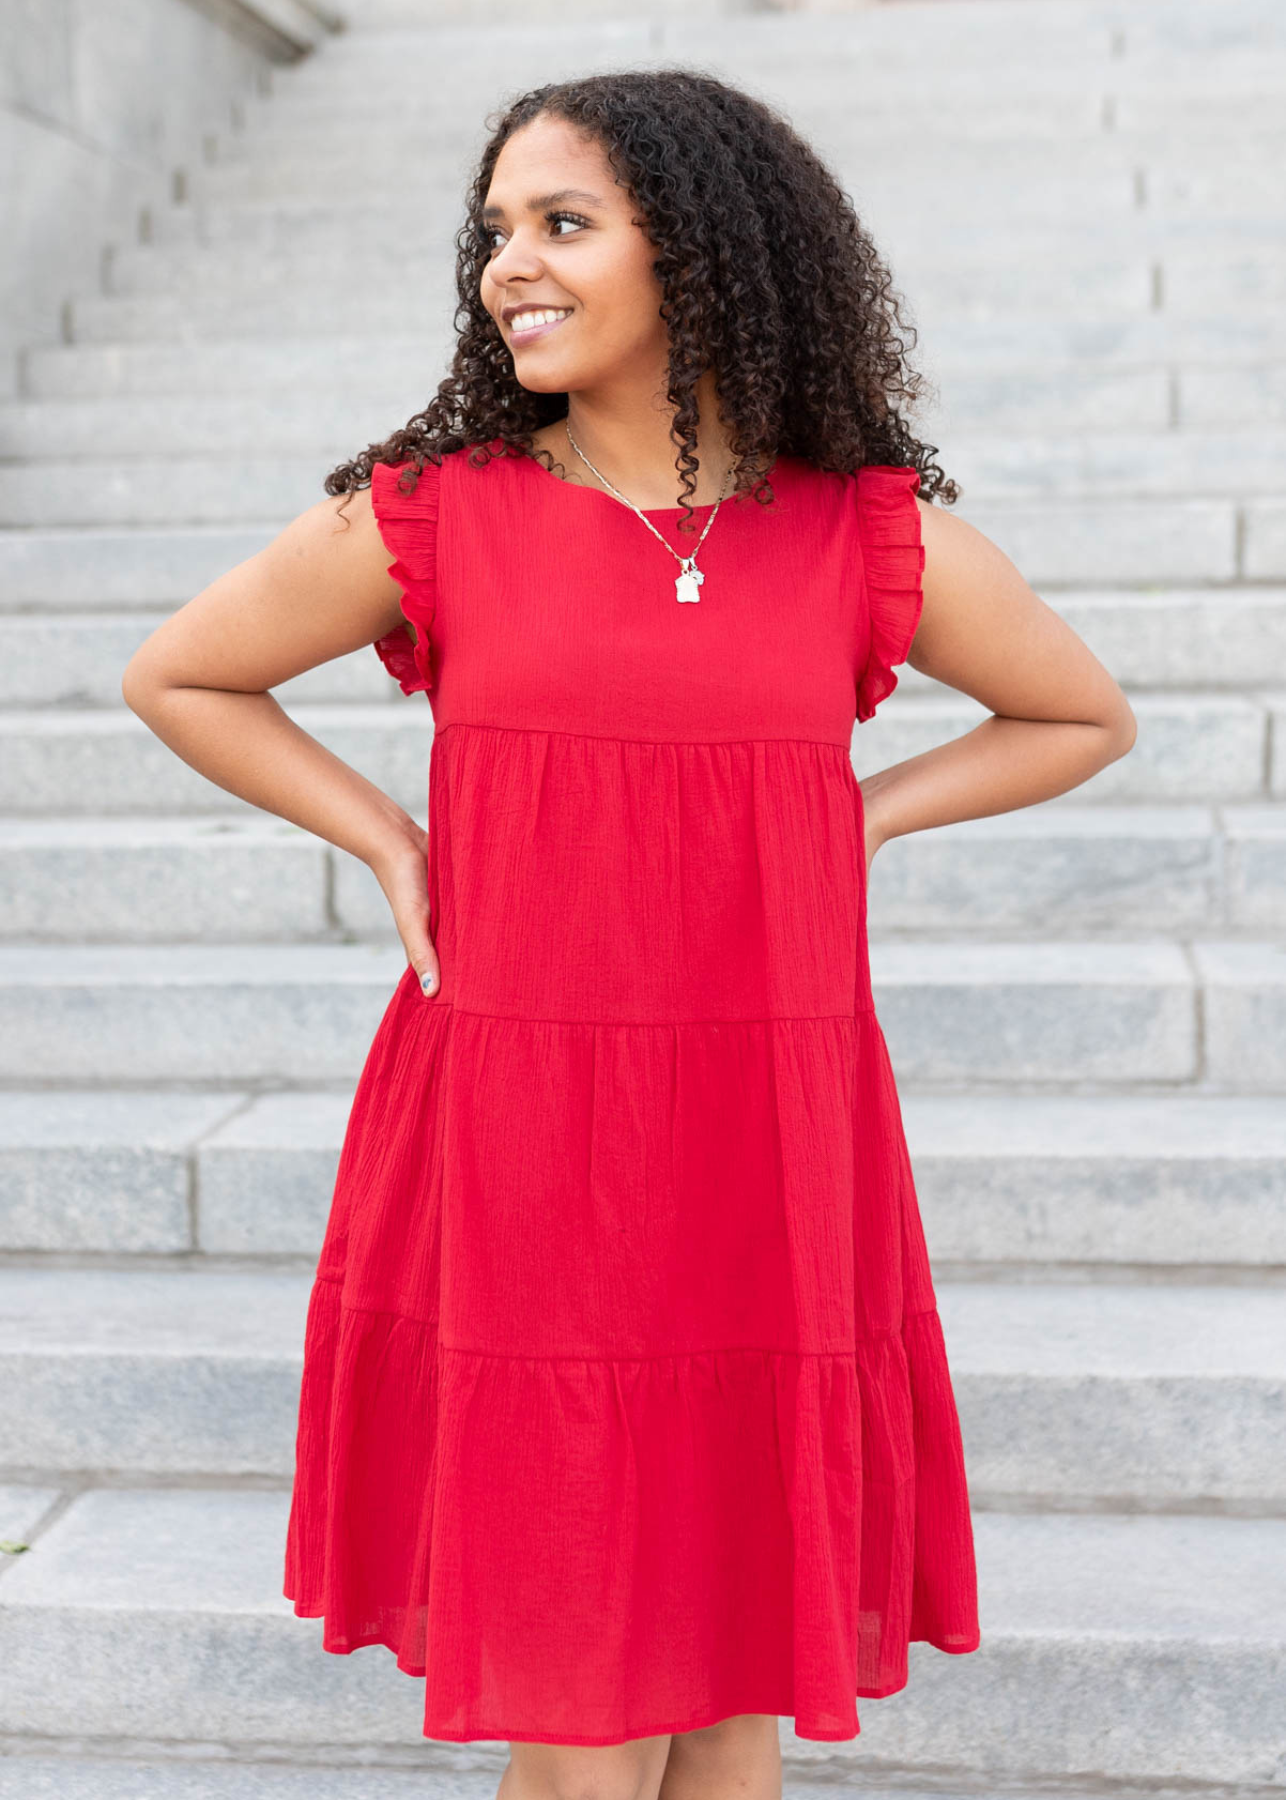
(228,878)
(1056,543)
(1158,168)
(811,53)
(195,490)
(133,1173)
(169,1596)
(108,762)
(424,213)
(224,1015)
(1177,638)
(1166,466)
(1066,1186)
(1154,402)
(1062,869)
(430,214)
(387,28)
(1043,872)
(1084,1015)
(1191,747)
(1076,119)
(1099,284)
(962,349)
(121,566)
(1112,1395)
(1155,34)
(1092,1015)
(965,103)
(182,1775)
(1110,292)
(233,424)
(70,659)
(1103,1184)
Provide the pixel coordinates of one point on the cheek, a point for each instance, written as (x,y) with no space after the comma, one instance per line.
(628,311)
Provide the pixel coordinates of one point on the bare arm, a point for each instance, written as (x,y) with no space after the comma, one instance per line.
(319,590)
(1059,716)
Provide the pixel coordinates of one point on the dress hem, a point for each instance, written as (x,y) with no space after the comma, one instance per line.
(498,1733)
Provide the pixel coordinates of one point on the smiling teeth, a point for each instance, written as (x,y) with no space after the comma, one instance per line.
(525,320)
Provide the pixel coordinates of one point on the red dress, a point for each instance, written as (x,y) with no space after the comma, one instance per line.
(625,1403)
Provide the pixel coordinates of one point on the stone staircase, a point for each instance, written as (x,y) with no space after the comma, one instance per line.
(1085,1001)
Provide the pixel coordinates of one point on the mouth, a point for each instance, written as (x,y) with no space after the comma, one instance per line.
(525,327)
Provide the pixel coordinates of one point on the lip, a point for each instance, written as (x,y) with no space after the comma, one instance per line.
(529,336)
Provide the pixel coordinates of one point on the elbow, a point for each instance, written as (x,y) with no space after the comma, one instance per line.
(1122,730)
(134,687)
(141,686)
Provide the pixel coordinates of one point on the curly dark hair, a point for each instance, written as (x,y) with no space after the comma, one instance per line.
(768,278)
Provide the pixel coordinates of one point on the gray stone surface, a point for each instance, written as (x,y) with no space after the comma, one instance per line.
(266,1178)
(227,1014)
(1266,539)
(1245,1012)
(1190,747)
(70,660)
(1015,1012)
(101,1171)
(1159,1181)
(171,1776)
(1125,1394)
(1017,1181)
(1093,1102)
(191,1638)
(1117,1395)
(107,761)
(96,105)
(1046,871)
(172,1372)
(1256,866)
(295,1014)
(248,876)
(22,1508)
(74,569)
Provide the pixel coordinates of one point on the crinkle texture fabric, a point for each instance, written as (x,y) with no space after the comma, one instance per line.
(625,1404)
(408,524)
(893,557)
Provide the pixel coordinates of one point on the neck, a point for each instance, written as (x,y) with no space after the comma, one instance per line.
(637,454)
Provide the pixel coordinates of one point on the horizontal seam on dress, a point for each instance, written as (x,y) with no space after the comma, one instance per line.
(607,738)
(673,1355)
(388,1312)
(659,1024)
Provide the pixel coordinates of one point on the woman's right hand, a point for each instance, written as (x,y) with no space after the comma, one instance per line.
(401,874)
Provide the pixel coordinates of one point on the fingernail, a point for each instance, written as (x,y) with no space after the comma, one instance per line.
(427,981)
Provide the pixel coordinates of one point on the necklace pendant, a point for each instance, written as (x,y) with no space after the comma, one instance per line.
(687,584)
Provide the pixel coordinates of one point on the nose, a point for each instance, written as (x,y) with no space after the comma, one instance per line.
(516,258)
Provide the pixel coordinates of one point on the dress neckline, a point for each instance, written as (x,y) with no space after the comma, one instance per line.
(649,512)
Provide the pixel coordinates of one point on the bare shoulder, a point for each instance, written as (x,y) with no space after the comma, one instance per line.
(985,631)
(319,589)
(955,550)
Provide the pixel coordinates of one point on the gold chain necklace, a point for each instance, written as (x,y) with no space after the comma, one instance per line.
(689,579)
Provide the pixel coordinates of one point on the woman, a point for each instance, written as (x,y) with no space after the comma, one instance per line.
(626,1417)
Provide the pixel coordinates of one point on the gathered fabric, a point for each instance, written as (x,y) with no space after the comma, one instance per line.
(626,1404)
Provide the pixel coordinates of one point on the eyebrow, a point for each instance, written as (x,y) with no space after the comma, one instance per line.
(539,202)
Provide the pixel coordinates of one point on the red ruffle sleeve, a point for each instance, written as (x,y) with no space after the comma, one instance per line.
(408,524)
(893,557)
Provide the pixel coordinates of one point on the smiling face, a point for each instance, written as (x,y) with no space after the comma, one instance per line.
(565,239)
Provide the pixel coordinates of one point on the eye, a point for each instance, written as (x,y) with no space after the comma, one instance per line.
(486,233)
